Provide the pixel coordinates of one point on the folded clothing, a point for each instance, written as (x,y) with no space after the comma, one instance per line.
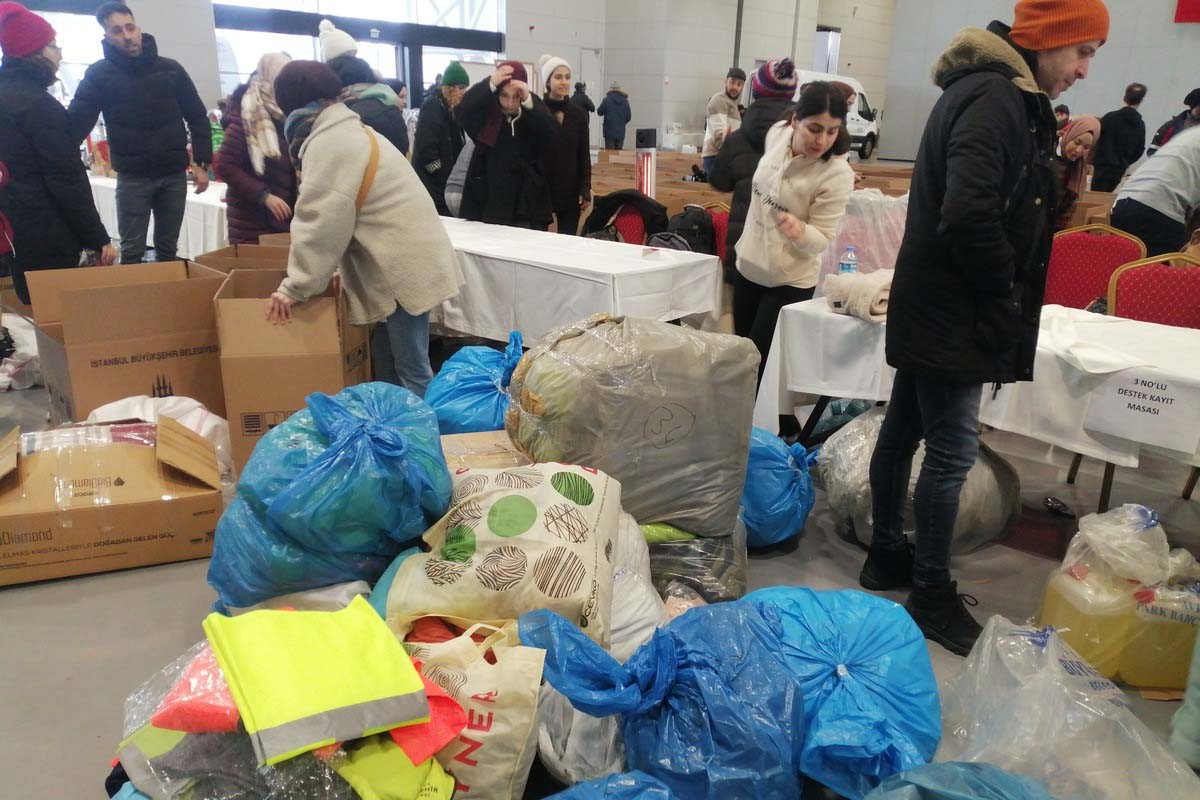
(379,770)
(305,679)
(862,295)
(200,701)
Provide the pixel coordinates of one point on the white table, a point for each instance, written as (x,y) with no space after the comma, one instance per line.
(816,351)
(204,227)
(534,281)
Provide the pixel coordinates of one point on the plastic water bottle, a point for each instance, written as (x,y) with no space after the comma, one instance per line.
(849,261)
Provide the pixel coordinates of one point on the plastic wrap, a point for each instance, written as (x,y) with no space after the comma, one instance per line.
(990,499)
(470,392)
(959,782)
(1027,703)
(779,494)
(870,695)
(709,705)
(629,786)
(331,495)
(874,225)
(663,409)
(678,598)
(200,701)
(716,568)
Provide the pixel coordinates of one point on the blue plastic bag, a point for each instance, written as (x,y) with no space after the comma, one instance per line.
(470,393)
(957,781)
(710,707)
(870,695)
(778,493)
(630,786)
(331,494)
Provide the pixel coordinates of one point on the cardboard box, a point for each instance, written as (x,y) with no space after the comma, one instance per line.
(95,507)
(275,240)
(268,369)
(107,333)
(493,450)
(244,256)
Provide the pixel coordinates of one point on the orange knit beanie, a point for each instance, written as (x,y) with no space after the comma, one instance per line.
(1050,24)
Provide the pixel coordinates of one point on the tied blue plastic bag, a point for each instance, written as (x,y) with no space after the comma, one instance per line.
(958,781)
(778,494)
(870,695)
(331,495)
(629,786)
(710,708)
(470,393)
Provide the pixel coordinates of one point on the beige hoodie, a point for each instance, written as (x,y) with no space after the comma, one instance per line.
(393,251)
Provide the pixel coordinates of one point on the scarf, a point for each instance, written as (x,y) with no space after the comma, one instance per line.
(557,105)
(368,91)
(260,112)
(1075,180)
(491,129)
(297,128)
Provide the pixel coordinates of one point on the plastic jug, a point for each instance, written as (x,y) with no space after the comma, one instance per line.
(1093,612)
(1161,638)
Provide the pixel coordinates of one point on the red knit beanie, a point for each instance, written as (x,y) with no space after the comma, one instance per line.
(22,32)
(1049,24)
(518,72)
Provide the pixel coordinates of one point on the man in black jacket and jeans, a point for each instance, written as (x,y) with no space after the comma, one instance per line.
(439,139)
(145,99)
(1122,138)
(967,294)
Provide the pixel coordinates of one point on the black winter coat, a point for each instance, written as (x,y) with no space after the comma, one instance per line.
(385,118)
(971,273)
(584,102)
(617,114)
(1122,139)
(145,101)
(49,200)
(439,140)
(738,159)
(506,183)
(1167,131)
(568,159)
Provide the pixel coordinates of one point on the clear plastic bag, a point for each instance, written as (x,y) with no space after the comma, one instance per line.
(620,395)
(874,224)
(629,786)
(959,782)
(779,493)
(715,568)
(990,499)
(470,392)
(1027,703)
(678,598)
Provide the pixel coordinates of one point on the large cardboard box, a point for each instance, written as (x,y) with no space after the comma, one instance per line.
(106,333)
(269,369)
(244,256)
(275,240)
(96,505)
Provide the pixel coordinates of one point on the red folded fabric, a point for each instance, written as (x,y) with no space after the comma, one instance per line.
(447,720)
(200,701)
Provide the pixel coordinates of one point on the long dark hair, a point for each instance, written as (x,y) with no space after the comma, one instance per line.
(820,97)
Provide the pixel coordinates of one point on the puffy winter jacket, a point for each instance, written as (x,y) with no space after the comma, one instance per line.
(617,114)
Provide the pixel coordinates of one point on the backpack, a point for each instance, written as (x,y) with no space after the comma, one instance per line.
(606,234)
(669,241)
(695,225)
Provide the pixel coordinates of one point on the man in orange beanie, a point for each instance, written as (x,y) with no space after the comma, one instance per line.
(967,294)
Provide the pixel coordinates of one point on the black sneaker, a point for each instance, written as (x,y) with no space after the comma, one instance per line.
(887,569)
(941,614)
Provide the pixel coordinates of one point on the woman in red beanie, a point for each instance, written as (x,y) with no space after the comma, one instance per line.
(48,200)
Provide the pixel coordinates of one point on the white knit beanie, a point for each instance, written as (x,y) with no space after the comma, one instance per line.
(546,66)
(335,42)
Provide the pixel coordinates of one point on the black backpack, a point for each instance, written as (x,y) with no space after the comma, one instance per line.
(695,225)
(669,241)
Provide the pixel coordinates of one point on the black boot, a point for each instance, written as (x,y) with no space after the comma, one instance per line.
(887,569)
(941,614)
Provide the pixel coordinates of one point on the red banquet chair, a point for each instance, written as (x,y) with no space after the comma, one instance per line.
(630,225)
(1083,260)
(720,218)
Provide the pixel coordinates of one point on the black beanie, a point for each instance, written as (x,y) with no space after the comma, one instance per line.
(302,82)
(1193,98)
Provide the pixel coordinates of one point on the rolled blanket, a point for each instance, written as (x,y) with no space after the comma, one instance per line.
(860,295)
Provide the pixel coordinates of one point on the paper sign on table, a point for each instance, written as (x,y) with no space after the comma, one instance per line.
(1141,406)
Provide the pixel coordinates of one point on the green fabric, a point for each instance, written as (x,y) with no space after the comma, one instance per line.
(306,679)
(661,533)
(455,75)
(377,769)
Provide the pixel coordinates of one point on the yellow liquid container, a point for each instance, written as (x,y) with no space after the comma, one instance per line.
(1093,612)
(1161,639)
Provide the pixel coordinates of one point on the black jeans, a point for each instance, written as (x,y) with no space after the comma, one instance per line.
(946,416)
(568,219)
(1106,179)
(614,144)
(137,199)
(756,310)
(1160,233)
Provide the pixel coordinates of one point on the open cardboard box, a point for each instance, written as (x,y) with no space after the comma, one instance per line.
(275,240)
(244,256)
(269,369)
(107,333)
(95,506)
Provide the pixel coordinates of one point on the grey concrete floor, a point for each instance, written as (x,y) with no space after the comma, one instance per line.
(71,650)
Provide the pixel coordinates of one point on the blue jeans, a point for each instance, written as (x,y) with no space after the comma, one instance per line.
(710,163)
(400,351)
(946,416)
(137,199)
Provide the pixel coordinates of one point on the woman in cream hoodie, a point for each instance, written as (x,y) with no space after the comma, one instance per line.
(799,196)
(378,228)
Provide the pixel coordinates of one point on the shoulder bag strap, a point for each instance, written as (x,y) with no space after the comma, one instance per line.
(368,175)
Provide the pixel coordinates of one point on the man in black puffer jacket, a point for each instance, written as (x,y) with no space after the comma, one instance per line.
(145,99)
(967,294)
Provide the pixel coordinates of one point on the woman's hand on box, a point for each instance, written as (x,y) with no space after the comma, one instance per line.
(279,309)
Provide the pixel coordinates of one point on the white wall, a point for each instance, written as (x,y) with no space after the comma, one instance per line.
(185,31)
(866,27)
(1144,45)
(636,34)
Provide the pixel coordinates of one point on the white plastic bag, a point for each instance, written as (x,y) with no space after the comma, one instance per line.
(1027,703)
(22,369)
(1128,540)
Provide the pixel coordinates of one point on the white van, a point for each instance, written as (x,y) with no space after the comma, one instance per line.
(863,119)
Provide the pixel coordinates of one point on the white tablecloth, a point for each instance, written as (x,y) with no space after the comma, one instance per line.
(533,281)
(204,228)
(816,351)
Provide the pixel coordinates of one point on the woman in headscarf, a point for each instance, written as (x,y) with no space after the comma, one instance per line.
(1075,148)
(567,158)
(253,159)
